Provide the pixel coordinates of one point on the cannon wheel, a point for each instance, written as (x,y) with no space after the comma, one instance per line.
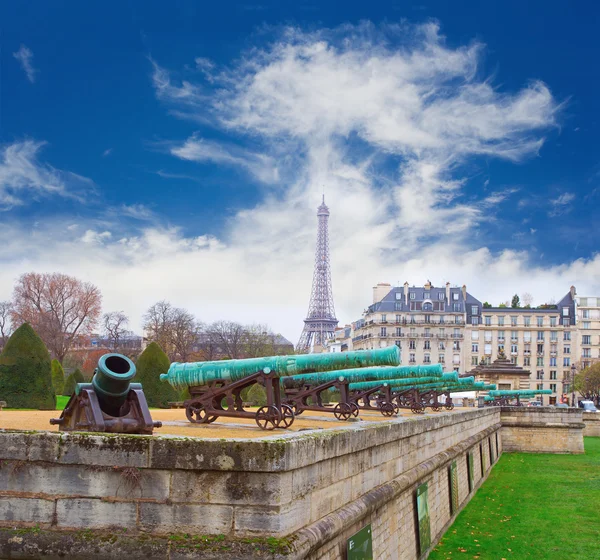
(342,411)
(287,416)
(198,415)
(436,408)
(268,417)
(297,410)
(354,408)
(396,409)
(387,409)
(449,406)
(417,409)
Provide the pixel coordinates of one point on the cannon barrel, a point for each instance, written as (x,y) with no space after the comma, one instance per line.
(397,382)
(111,382)
(520,393)
(358,375)
(182,375)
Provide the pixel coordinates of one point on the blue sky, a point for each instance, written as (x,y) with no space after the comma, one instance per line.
(178,150)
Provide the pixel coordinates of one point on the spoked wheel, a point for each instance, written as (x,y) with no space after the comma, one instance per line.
(387,409)
(342,411)
(396,409)
(354,408)
(287,416)
(436,407)
(197,414)
(449,406)
(417,409)
(297,410)
(268,417)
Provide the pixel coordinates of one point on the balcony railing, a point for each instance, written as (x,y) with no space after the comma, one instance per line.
(457,335)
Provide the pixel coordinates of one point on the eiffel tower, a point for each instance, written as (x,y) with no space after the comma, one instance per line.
(320,321)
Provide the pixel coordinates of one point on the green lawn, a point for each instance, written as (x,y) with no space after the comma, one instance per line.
(532,506)
(61,402)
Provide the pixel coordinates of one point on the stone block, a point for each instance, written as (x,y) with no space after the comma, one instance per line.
(104,450)
(95,513)
(186,518)
(26,510)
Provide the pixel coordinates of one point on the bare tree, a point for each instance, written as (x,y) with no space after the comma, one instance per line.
(5,324)
(58,307)
(526,299)
(229,337)
(174,329)
(115,323)
(259,341)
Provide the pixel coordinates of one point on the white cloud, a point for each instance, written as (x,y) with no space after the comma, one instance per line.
(560,205)
(25,57)
(384,120)
(23,177)
(107,152)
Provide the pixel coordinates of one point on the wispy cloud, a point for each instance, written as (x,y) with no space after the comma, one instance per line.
(107,152)
(197,149)
(25,57)
(561,204)
(137,212)
(23,178)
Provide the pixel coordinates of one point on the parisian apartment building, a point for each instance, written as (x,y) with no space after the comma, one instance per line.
(448,325)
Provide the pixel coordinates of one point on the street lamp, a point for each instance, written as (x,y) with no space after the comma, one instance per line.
(573,370)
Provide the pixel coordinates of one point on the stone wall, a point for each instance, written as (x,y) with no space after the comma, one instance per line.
(592,424)
(542,429)
(293,495)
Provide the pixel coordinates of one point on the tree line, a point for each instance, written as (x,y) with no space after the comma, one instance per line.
(64,310)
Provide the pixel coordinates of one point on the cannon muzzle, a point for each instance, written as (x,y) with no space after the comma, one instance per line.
(112,382)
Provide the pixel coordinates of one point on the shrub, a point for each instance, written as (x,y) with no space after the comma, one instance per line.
(257,396)
(151,363)
(72,380)
(58,378)
(25,372)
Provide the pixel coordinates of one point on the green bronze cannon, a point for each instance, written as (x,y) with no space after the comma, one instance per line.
(110,403)
(505,396)
(215,387)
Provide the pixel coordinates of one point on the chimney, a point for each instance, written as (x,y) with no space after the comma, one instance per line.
(406,293)
(380,291)
(448,292)
(464,292)
(427,285)
(573,292)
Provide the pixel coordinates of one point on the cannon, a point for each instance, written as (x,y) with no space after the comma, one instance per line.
(505,396)
(110,403)
(215,387)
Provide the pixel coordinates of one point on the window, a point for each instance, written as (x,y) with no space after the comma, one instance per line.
(587,325)
(398,344)
(553,387)
(540,361)
(488,349)
(398,331)
(513,321)
(526,337)
(456,345)
(383,318)
(513,360)
(586,313)
(553,336)
(456,359)
(474,335)
(426,295)
(567,335)
(552,362)
(500,335)
(553,321)
(458,318)
(428,318)
(566,349)
(412,295)
(442,332)
(383,331)
(428,306)
(441,297)
(455,296)
(586,339)
(427,358)
(514,349)
(488,336)
(475,347)
(442,345)
(411,358)
(540,348)
(397,306)
(456,307)
(540,374)
(456,333)
(474,321)
(566,362)
(540,386)
(427,345)
(514,336)
(500,321)
(526,361)
(586,353)
(540,321)
(500,348)
(527,321)
(566,321)
(398,295)
(441,359)
(412,331)
(540,335)
(488,320)
(474,310)
(474,361)
(553,374)
(565,311)
(412,345)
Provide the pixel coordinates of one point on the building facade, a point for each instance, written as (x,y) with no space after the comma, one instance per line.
(588,322)
(448,325)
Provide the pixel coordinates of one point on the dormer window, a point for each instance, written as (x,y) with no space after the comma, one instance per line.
(426,295)
(441,296)
(398,295)
(413,295)
(455,296)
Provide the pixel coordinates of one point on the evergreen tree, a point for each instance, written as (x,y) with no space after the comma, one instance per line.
(58,377)
(151,363)
(25,371)
(516,302)
(257,396)
(72,380)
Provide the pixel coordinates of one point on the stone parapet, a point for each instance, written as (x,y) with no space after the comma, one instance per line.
(542,429)
(592,424)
